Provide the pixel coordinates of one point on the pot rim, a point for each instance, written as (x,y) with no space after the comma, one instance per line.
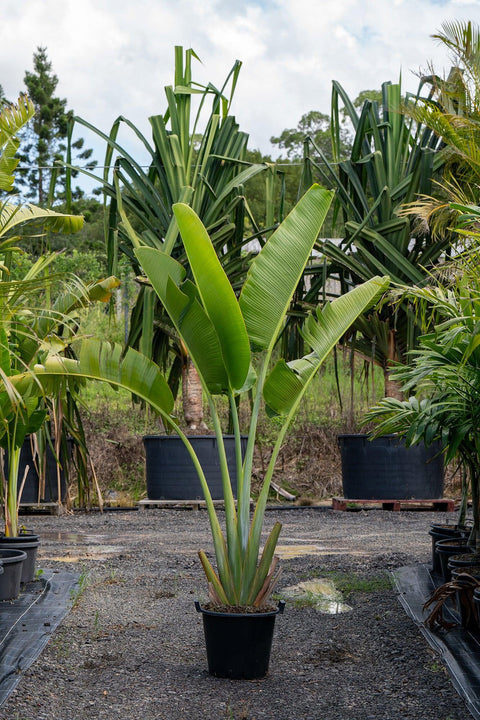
(213,613)
(13,556)
(177,437)
(23,538)
(454,542)
(7,543)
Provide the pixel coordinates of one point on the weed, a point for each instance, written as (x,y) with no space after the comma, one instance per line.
(96,624)
(83,582)
(114,578)
(240,714)
(434,666)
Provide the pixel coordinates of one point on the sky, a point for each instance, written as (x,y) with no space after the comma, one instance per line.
(115,58)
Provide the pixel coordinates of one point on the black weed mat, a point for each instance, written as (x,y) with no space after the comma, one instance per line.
(27,623)
(458,648)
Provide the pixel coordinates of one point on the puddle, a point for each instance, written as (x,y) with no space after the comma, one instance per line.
(286,552)
(74,538)
(81,546)
(291,551)
(77,557)
(320,593)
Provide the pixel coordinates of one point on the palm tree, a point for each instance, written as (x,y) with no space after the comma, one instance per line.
(393,159)
(444,378)
(205,168)
(453,113)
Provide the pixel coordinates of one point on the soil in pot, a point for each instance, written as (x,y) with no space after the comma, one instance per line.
(238,644)
(12,561)
(28,543)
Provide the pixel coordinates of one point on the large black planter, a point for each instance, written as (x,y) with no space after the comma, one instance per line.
(10,579)
(170,472)
(238,644)
(385,469)
(33,492)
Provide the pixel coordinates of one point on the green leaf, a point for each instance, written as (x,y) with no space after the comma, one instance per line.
(11,216)
(190,319)
(276,270)
(217,295)
(286,383)
(4,352)
(102,361)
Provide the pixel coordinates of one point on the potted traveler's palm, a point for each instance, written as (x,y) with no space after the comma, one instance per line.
(220,331)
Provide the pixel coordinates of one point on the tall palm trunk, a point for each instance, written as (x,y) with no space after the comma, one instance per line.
(192,396)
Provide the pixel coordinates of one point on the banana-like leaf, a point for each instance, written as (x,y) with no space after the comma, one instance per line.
(12,216)
(103,362)
(286,383)
(275,272)
(217,295)
(8,163)
(140,376)
(13,117)
(187,314)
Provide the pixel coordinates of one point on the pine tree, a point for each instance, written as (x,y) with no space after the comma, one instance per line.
(45,141)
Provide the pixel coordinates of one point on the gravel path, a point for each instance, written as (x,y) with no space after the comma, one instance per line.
(132,647)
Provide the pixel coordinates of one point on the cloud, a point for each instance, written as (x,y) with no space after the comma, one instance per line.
(115,58)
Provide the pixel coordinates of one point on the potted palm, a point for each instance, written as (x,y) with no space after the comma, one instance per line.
(220,332)
(392,161)
(443,377)
(28,326)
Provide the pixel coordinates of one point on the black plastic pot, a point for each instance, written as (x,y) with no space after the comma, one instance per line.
(12,561)
(476,605)
(170,472)
(238,644)
(448,547)
(465,597)
(463,562)
(385,469)
(442,532)
(32,492)
(28,542)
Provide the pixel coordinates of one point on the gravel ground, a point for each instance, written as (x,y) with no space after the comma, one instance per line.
(132,646)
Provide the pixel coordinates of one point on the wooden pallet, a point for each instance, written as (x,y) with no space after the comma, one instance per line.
(439,505)
(46,508)
(176,504)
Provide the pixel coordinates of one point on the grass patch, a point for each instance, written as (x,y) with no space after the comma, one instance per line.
(351,583)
